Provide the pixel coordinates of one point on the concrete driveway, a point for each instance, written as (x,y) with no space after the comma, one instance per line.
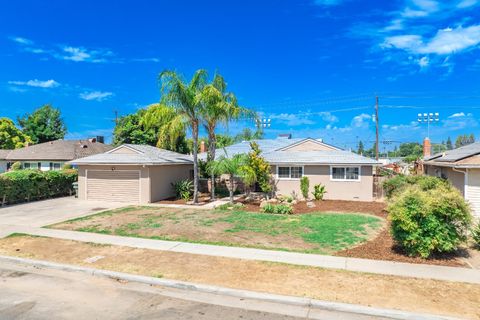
(42,213)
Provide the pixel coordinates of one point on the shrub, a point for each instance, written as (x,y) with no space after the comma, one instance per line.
(16,166)
(183,189)
(430,221)
(231,206)
(67,166)
(28,185)
(398,183)
(476,234)
(319,191)
(304,186)
(277,208)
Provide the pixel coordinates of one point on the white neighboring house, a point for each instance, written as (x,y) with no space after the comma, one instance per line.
(461,167)
(3,160)
(53,155)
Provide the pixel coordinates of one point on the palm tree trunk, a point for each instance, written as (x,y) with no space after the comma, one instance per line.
(231,188)
(195,160)
(211,155)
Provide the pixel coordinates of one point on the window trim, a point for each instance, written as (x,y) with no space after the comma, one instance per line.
(289,166)
(345,179)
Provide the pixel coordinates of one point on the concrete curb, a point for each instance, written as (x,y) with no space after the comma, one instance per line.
(244,294)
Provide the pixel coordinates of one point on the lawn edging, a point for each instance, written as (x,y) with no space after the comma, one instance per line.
(243,294)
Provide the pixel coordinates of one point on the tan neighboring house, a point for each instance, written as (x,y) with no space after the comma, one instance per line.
(346,175)
(132,173)
(53,155)
(461,167)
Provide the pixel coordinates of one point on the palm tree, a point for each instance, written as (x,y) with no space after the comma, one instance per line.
(184,99)
(170,125)
(233,166)
(219,106)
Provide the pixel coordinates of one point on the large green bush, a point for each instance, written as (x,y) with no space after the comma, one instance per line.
(304,186)
(29,185)
(429,220)
(398,183)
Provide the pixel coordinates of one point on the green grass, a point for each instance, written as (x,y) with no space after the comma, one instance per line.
(325,232)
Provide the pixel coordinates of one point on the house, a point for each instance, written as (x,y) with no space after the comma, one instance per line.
(53,155)
(346,175)
(461,167)
(132,173)
(3,160)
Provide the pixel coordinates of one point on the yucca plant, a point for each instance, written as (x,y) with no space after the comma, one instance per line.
(183,189)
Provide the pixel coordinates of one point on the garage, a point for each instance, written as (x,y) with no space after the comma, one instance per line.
(115,186)
(131,174)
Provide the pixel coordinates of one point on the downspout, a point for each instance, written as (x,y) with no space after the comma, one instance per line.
(465,180)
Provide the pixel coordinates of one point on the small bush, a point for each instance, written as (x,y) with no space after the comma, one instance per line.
(16,166)
(319,191)
(305,186)
(277,208)
(183,189)
(476,234)
(430,221)
(29,185)
(231,206)
(398,183)
(67,166)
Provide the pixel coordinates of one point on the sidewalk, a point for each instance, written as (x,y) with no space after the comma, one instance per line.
(330,262)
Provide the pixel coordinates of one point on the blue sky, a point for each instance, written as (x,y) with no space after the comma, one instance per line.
(312,66)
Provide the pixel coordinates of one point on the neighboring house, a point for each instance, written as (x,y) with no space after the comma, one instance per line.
(3,160)
(461,167)
(346,175)
(54,154)
(132,173)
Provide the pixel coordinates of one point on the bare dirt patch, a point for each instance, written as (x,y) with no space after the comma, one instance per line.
(416,295)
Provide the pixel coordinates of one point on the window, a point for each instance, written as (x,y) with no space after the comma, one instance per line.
(26,165)
(290,172)
(56,166)
(345,173)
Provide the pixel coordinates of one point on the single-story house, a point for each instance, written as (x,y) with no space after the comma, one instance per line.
(461,167)
(53,155)
(3,160)
(346,175)
(132,173)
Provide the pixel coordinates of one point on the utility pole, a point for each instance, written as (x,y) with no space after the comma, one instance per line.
(116,117)
(376,128)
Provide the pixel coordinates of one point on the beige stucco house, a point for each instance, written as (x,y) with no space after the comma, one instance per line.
(461,167)
(131,173)
(346,175)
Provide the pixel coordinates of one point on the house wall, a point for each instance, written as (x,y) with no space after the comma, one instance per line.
(309,146)
(145,196)
(456,178)
(162,177)
(336,190)
(3,166)
(44,165)
(473,190)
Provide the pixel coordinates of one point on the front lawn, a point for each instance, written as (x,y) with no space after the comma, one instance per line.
(313,232)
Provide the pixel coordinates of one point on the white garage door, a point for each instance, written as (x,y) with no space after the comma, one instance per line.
(120,185)
(473,191)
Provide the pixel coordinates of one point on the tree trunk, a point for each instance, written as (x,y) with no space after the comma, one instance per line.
(212,142)
(231,188)
(195,160)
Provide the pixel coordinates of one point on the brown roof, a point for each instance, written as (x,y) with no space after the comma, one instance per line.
(4,153)
(59,150)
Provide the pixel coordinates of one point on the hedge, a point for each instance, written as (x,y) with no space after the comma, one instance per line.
(399,183)
(30,185)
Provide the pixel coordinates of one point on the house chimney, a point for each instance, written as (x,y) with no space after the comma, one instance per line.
(203,148)
(427,148)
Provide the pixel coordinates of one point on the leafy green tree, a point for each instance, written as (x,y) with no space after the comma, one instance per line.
(248,135)
(361,148)
(130,130)
(169,126)
(44,124)
(261,168)
(410,149)
(10,136)
(463,140)
(183,97)
(449,144)
(224,140)
(218,106)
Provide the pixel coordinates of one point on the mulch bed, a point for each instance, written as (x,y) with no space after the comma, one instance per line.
(202,199)
(382,247)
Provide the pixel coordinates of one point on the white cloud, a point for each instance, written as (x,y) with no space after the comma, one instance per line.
(22,41)
(446,41)
(156,60)
(80,54)
(361,120)
(36,83)
(328,117)
(291,119)
(95,95)
(457,115)
(467,3)
(423,62)
(328,2)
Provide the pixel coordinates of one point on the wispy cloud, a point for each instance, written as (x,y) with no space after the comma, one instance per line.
(291,119)
(328,2)
(36,83)
(22,41)
(95,95)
